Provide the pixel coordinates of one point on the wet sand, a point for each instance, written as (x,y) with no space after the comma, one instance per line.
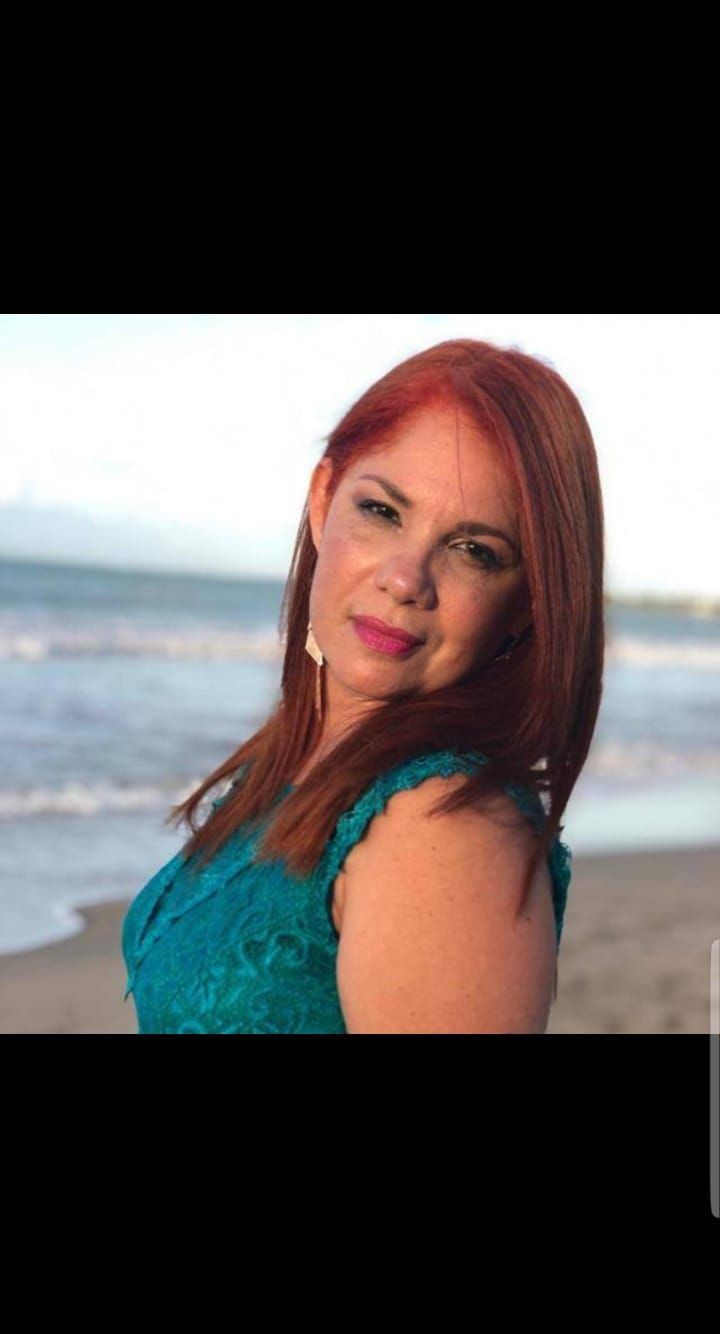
(634,956)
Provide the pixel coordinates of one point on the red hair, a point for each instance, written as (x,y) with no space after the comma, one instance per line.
(532,714)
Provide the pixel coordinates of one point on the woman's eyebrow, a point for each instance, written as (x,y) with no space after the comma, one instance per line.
(467,526)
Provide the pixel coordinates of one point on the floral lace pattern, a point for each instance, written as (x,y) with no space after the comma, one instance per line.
(243,946)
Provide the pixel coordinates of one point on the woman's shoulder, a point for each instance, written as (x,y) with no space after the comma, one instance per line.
(436,933)
(428,776)
(413,828)
(398,815)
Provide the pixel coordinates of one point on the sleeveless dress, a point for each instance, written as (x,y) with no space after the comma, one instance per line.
(246,947)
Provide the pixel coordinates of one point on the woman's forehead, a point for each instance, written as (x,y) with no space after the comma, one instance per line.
(440,433)
(441,454)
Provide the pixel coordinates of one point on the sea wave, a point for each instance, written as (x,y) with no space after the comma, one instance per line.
(637,651)
(638,760)
(91,799)
(139,642)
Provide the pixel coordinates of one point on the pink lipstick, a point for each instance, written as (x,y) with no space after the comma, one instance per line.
(385,638)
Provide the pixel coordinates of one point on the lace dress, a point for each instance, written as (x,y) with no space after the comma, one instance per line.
(243,946)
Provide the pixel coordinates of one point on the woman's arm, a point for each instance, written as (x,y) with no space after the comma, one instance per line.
(431,938)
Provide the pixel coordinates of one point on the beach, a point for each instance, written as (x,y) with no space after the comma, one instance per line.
(634,955)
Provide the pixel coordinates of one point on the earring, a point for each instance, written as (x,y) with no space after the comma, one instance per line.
(508,645)
(313,648)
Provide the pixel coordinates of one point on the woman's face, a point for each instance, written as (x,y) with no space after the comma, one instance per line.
(412,565)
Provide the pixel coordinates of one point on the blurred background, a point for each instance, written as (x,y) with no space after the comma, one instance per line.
(152,479)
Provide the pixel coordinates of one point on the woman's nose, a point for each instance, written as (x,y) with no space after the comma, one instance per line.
(404,578)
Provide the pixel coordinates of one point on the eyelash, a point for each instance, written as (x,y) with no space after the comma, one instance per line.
(370,507)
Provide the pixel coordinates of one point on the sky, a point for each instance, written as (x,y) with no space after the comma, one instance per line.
(186,442)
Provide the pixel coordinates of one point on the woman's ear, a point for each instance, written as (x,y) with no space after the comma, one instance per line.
(521,620)
(319,499)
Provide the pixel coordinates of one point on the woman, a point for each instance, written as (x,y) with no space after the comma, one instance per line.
(387,857)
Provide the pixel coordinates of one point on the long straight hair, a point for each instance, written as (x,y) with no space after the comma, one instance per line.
(532,714)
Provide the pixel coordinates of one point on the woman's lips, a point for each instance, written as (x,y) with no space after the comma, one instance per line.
(376,635)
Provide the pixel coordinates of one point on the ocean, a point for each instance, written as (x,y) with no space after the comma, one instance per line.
(122,690)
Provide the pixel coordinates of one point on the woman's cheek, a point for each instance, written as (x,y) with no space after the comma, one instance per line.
(338,549)
(339,558)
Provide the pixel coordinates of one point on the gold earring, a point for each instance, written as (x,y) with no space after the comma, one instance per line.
(313,648)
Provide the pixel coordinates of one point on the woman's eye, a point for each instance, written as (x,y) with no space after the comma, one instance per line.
(486,556)
(371,507)
(482,556)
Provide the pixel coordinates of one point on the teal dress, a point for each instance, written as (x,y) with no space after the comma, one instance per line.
(246,947)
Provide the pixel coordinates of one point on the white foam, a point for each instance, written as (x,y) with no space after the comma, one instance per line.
(640,652)
(637,760)
(88,799)
(136,641)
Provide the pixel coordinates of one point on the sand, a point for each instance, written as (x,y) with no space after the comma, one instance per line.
(634,957)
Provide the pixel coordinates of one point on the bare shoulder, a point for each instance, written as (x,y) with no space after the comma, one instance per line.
(432,939)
